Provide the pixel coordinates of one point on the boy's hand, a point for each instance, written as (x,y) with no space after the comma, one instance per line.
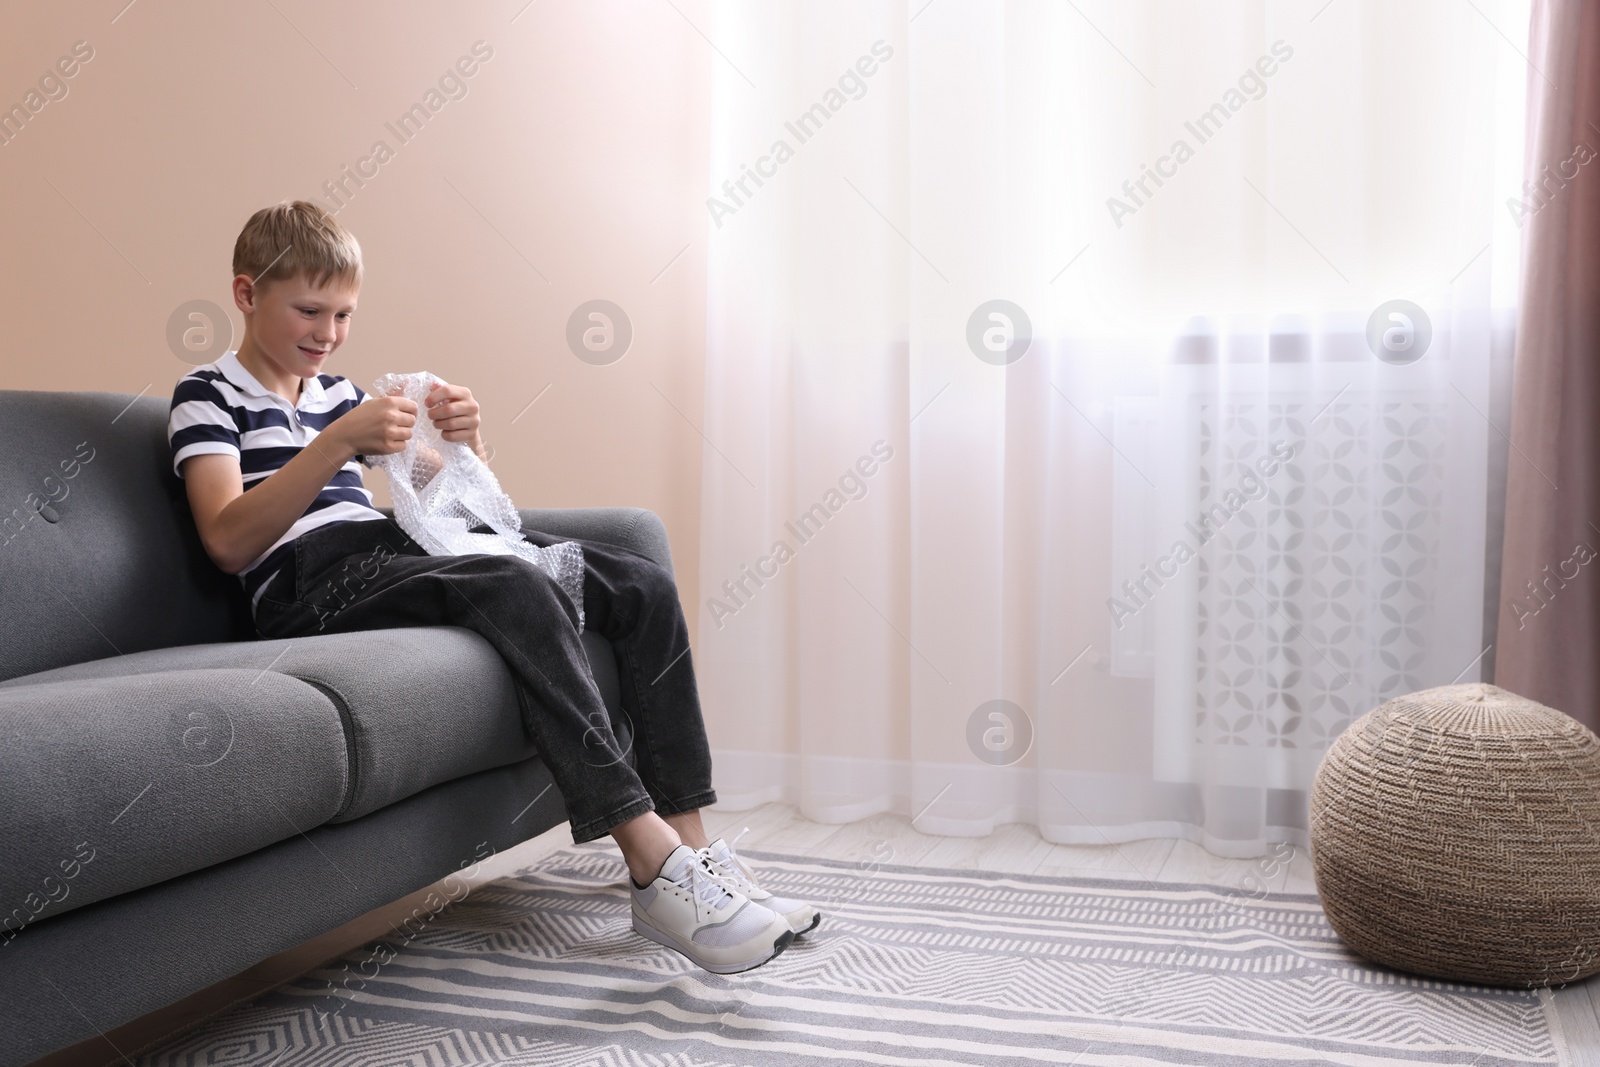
(377,428)
(454,412)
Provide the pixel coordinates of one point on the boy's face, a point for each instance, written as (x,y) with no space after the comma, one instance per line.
(297,326)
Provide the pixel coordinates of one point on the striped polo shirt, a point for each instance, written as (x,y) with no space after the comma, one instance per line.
(220,409)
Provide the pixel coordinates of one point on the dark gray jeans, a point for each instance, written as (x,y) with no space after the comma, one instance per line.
(371,575)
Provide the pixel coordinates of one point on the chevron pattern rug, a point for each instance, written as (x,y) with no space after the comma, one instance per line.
(911,966)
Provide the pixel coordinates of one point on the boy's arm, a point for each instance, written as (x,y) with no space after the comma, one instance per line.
(237,526)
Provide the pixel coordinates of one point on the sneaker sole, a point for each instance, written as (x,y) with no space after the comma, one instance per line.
(815,919)
(662,937)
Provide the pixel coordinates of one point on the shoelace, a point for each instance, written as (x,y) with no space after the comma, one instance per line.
(702,886)
(730,865)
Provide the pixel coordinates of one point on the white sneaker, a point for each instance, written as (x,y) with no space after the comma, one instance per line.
(688,909)
(734,875)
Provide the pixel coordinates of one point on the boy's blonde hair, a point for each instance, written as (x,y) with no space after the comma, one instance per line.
(290,239)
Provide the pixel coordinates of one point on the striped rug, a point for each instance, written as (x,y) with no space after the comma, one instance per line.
(911,967)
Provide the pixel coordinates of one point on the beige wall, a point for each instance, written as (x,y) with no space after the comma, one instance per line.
(579,152)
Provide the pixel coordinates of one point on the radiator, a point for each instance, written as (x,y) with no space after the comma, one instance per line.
(1349,574)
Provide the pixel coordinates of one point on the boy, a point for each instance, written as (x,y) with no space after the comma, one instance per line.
(267,446)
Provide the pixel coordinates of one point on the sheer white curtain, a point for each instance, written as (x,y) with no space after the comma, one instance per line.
(1120,556)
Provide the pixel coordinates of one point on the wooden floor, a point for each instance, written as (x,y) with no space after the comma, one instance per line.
(1012,849)
(890,839)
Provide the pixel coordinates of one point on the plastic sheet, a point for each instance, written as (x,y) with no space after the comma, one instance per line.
(441,490)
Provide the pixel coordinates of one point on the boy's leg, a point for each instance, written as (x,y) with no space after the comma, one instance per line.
(632,601)
(691,831)
(370,575)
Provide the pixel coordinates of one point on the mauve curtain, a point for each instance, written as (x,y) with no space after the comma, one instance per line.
(1550,576)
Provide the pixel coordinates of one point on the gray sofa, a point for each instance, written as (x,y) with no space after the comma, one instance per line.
(179,800)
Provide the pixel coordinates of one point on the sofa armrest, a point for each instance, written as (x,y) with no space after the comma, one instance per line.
(639,529)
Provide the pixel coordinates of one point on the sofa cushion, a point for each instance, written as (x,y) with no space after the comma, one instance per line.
(421,705)
(96,536)
(112,784)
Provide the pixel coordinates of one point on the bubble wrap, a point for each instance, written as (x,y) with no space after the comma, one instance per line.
(438,505)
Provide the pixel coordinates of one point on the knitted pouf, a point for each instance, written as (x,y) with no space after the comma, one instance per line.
(1455,833)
